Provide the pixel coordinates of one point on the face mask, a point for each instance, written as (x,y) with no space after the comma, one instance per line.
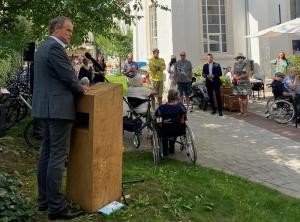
(173,60)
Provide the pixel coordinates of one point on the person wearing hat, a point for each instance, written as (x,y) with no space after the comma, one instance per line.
(157,66)
(241,82)
(278,88)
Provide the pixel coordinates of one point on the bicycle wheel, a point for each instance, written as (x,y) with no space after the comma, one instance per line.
(156,148)
(12,112)
(190,145)
(282,111)
(33,134)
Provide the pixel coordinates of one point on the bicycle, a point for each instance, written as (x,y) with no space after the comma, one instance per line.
(33,131)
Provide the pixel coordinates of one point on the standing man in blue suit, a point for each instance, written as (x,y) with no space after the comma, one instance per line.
(54,90)
(212,72)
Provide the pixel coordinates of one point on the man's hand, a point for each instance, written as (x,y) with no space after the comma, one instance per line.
(210,77)
(85,89)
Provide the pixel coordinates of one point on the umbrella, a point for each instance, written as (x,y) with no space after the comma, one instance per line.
(289,27)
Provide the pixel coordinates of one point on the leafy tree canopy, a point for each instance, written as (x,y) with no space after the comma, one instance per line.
(22,21)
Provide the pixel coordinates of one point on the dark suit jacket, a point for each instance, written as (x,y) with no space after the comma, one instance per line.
(55,83)
(216,71)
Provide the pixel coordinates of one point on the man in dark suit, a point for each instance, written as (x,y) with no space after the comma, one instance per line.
(212,72)
(54,91)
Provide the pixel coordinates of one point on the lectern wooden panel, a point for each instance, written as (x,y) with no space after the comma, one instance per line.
(95,164)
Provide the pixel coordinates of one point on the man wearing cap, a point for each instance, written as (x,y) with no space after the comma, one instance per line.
(157,66)
(278,88)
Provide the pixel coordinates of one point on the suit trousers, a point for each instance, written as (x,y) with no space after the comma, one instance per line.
(210,91)
(51,165)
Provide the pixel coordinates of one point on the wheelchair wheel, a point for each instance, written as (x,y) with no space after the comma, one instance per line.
(136,140)
(156,149)
(190,145)
(269,103)
(282,111)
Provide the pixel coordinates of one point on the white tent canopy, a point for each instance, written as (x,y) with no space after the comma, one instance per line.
(289,27)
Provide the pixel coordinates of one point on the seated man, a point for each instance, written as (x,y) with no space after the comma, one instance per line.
(290,82)
(278,88)
(173,115)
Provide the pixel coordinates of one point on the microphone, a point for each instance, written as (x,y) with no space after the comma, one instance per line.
(95,63)
(98,66)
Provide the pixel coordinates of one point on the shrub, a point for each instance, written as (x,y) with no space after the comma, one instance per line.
(12,206)
(225,82)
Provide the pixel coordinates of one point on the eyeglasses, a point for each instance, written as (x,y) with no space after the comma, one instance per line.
(182,55)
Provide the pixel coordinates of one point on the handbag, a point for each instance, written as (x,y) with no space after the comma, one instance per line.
(234,82)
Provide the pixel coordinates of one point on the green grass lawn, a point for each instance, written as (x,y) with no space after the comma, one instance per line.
(172,191)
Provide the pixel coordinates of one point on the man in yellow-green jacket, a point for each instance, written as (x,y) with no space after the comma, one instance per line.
(157,66)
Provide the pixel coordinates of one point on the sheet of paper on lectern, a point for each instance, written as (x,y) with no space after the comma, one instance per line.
(110,208)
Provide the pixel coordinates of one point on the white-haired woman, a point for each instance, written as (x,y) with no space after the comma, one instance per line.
(137,90)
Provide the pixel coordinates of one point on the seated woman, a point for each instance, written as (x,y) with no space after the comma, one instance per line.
(173,115)
(137,94)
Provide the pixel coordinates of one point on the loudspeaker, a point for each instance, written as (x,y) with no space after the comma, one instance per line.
(28,54)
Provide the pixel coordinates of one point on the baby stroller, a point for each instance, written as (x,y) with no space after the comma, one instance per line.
(135,121)
(172,126)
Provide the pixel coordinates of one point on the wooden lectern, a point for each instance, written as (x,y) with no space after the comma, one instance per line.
(94,176)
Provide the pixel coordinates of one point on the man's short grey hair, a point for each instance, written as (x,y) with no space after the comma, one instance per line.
(293,69)
(57,22)
(173,95)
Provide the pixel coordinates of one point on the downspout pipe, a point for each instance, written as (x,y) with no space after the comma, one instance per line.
(248,42)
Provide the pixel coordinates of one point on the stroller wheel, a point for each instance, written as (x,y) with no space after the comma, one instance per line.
(136,140)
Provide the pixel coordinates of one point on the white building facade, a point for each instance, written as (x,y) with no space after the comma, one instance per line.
(218,27)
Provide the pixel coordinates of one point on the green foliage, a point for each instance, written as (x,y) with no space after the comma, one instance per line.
(12,206)
(295,61)
(118,43)
(225,82)
(198,74)
(24,20)
(9,66)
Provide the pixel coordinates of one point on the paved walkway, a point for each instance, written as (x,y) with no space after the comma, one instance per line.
(253,147)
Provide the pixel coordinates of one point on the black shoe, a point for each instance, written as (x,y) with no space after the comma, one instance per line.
(220,114)
(42,208)
(65,214)
(214,112)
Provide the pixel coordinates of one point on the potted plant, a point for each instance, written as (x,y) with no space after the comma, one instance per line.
(225,87)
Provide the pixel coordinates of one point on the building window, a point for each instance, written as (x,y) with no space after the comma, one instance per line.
(214,26)
(295,9)
(153,26)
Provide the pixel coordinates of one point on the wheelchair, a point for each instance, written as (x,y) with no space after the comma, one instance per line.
(281,109)
(170,129)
